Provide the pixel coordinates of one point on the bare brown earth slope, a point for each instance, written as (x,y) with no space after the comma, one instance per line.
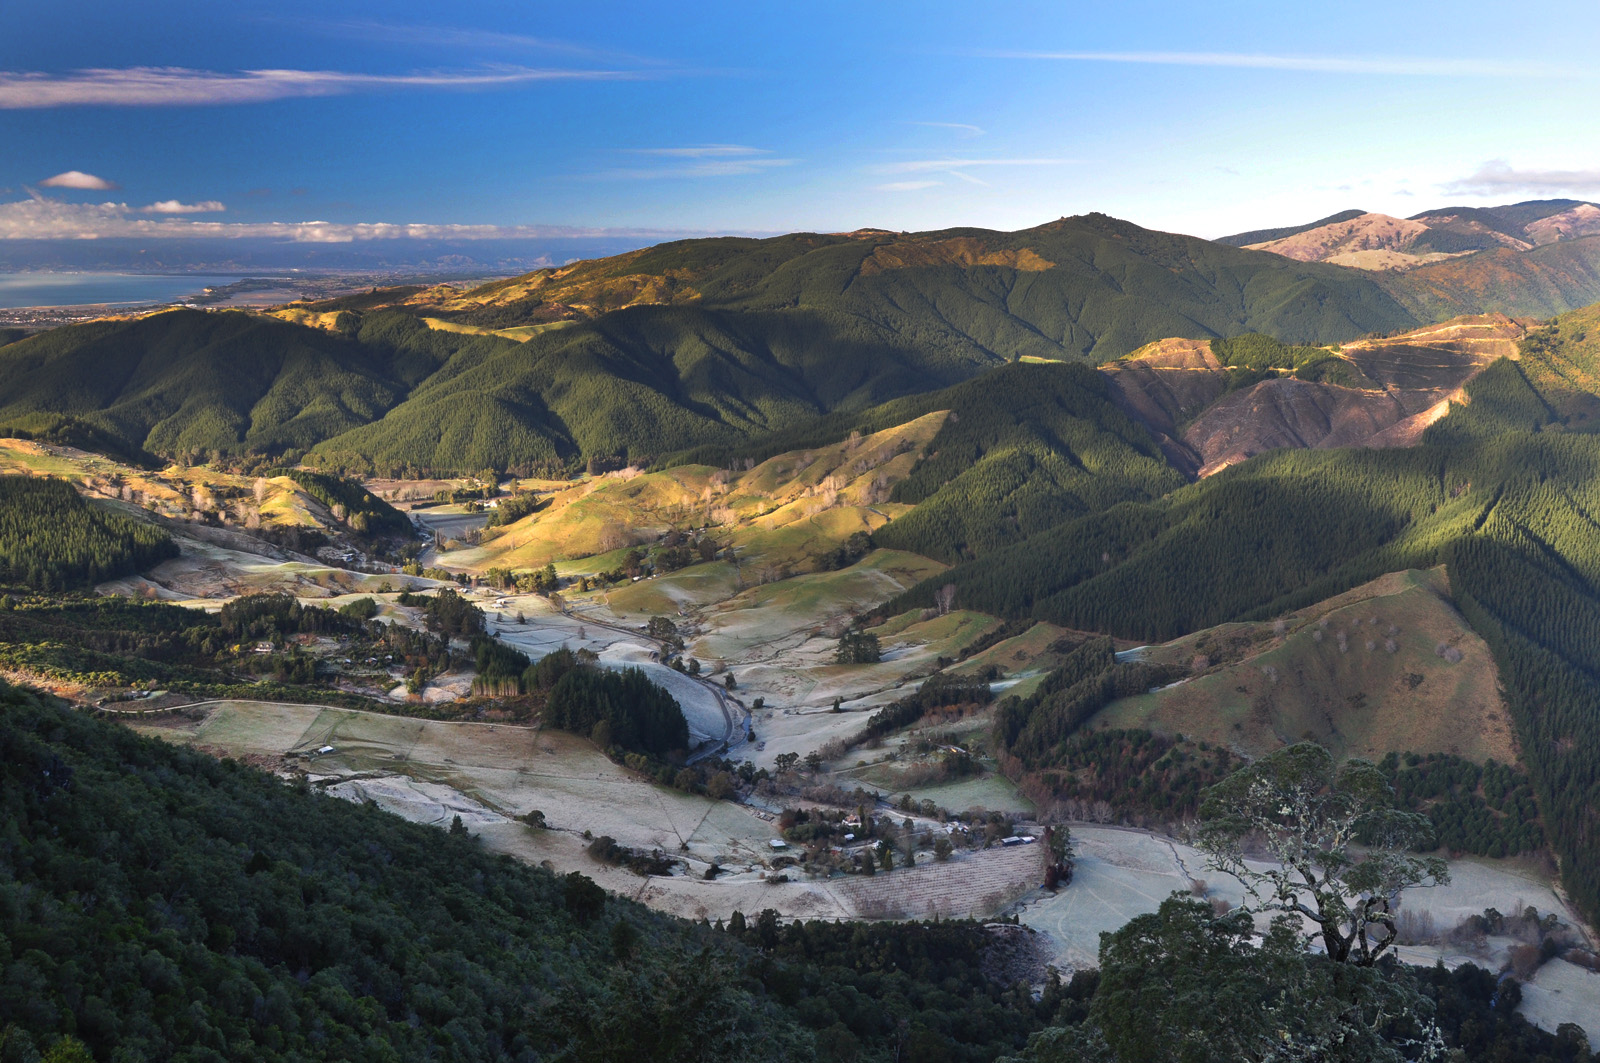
(1369,232)
(1177,388)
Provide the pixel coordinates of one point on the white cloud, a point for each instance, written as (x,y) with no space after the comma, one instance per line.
(960,127)
(172,206)
(1498,177)
(1321,64)
(77,179)
(178,86)
(905,186)
(41,218)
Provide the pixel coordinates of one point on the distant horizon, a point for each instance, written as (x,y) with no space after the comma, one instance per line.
(389,255)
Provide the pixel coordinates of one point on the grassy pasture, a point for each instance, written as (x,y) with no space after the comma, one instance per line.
(1272,688)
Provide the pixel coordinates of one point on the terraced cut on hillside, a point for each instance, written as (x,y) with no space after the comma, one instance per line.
(1177,388)
(1388,666)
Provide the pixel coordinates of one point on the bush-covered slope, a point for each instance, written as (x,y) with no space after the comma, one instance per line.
(159,904)
(193,382)
(1542,282)
(1507,504)
(1026,447)
(710,342)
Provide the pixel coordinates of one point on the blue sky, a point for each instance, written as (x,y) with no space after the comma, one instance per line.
(253,118)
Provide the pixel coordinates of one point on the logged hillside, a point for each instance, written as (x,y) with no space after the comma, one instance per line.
(1381,242)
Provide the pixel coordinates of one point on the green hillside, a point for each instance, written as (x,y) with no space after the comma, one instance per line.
(1495,492)
(689,343)
(1027,447)
(189,382)
(1540,283)
(781,331)
(707,342)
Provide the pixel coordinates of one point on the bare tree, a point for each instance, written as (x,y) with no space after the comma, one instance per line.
(944,598)
(1308,813)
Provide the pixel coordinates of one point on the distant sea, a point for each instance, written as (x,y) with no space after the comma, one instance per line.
(112,289)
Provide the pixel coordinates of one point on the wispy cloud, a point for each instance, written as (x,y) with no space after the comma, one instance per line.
(949,165)
(78,179)
(701,160)
(1426,66)
(368,31)
(906,186)
(180,86)
(960,127)
(173,206)
(42,218)
(1498,177)
(703,151)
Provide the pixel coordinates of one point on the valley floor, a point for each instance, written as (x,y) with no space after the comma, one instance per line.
(488,774)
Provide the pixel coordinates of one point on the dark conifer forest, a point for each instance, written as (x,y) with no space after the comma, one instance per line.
(52,540)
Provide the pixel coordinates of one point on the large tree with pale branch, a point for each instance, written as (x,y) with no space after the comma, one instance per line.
(1322,843)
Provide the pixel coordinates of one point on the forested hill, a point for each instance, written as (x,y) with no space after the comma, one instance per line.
(703,341)
(154,901)
(1089,286)
(188,382)
(706,342)
(719,341)
(1501,491)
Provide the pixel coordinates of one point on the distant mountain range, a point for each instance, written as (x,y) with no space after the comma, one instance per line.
(723,341)
(1379,241)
